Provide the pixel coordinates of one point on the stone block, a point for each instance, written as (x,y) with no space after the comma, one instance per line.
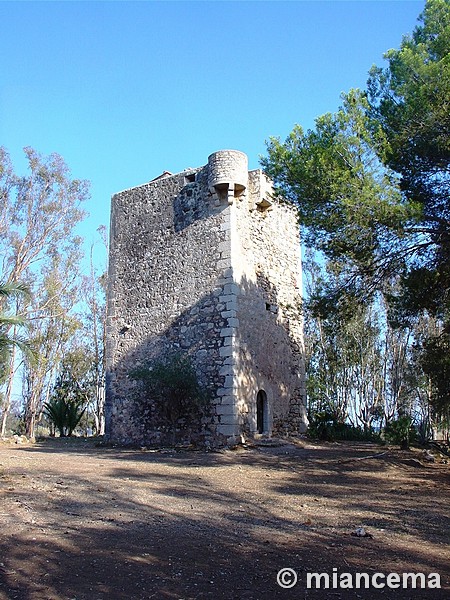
(226,298)
(224,391)
(228,410)
(231,288)
(222,281)
(226,331)
(223,263)
(228,383)
(226,351)
(229,419)
(233,322)
(226,370)
(222,246)
(226,314)
(226,400)
(230,360)
(227,430)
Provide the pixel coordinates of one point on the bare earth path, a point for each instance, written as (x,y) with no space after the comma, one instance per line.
(83,522)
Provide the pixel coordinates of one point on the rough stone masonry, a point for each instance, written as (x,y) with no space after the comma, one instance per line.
(207,262)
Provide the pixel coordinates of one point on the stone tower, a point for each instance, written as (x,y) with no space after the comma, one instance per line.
(208,263)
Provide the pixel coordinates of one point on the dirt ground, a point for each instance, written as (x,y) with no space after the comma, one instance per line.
(86,522)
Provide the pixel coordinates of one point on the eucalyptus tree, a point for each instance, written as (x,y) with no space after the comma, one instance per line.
(94,326)
(53,323)
(10,340)
(39,213)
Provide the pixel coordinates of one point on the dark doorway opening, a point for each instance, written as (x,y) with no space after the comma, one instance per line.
(261,412)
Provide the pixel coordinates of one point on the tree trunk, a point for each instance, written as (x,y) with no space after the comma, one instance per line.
(100,412)
(31,413)
(30,424)
(8,393)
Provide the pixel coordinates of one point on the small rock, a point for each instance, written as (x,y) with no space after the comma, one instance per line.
(20,439)
(428,456)
(361,532)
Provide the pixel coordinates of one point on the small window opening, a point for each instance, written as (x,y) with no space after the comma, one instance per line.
(264,205)
(273,308)
(190,178)
(239,189)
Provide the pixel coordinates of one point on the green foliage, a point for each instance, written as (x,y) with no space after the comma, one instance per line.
(325,426)
(346,354)
(435,359)
(9,324)
(348,201)
(371,184)
(65,414)
(423,432)
(401,431)
(38,244)
(66,406)
(172,394)
(410,99)
(321,425)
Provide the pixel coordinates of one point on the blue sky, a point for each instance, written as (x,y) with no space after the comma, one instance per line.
(126,90)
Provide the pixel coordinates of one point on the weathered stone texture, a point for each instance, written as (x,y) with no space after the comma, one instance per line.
(210,267)
(270,337)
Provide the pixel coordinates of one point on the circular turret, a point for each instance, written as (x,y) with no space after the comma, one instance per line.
(228,170)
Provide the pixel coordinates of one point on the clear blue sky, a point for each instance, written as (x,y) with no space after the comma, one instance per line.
(126,90)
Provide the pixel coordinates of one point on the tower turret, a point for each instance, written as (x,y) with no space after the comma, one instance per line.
(228,173)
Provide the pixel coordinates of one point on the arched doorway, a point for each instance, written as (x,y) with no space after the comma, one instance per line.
(261,412)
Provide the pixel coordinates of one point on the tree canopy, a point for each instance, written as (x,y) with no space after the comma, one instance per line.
(410,99)
(42,253)
(371,185)
(348,201)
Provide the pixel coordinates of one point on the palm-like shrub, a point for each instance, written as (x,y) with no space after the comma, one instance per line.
(401,432)
(65,414)
(9,323)
(66,406)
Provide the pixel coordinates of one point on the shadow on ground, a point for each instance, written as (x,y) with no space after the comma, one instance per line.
(84,522)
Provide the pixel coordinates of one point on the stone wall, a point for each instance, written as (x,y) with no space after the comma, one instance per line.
(268,339)
(209,267)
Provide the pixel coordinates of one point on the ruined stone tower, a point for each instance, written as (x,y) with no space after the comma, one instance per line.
(207,262)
